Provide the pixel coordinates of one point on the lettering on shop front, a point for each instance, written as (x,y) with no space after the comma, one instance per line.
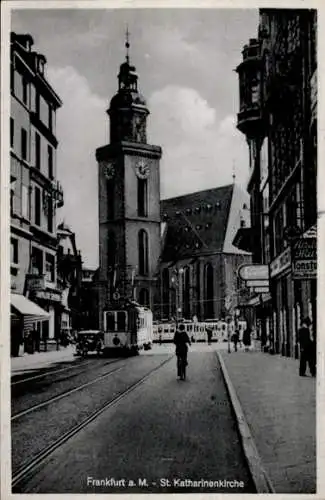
(304,259)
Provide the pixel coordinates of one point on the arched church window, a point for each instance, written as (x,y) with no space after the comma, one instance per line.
(143,246)
(208,291)
(144,297)
(143,197)
(111,248)
(186,292)
(110,199)
(165,292)
(111,260)
(198,289)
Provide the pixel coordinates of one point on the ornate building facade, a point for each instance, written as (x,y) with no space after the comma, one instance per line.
(278,102)
(69,270)
(35,195)
(129,195)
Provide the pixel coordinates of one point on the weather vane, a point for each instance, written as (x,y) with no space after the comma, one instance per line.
(127,43)
(233,172)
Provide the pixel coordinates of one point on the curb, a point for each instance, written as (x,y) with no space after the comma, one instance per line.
(259,475)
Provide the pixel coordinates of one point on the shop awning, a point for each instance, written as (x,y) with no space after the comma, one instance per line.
(27,307)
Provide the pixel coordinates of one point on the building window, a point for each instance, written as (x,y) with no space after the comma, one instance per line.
(50,161)
(50,267)
(50,214)
(23,144)
(186,293)
(278,232)
(25,201)
(50,121)
(12,132)
(25,90)
(37,103)
(143,197)
(37,194)
(12,195)
(143,252)
(14,251)
(198,287)
(37,261)
(144,297)
(209,292)
(37,151)
(12,77)
(43,111)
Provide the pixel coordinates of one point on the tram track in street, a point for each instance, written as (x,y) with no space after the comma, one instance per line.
(50,372)
(25,471)
(67,393)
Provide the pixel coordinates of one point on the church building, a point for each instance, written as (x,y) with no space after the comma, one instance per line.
(174,256)
(129,200)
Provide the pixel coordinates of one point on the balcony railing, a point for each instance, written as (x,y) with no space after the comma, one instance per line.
(249,118)
(57,193)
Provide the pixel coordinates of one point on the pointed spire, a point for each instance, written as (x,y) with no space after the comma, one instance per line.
(127,44)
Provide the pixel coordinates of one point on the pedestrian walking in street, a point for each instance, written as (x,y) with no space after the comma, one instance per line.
(307,349)
(181,339)
(235,339)
(247,338)
(209,334)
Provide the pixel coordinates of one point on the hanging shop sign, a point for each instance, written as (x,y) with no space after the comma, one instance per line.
(261,289)
(280,263)
(253,272)
(49,295)
(304,259)
(257,283)
(35,282)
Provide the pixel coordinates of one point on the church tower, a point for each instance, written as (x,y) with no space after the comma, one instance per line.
(129,200)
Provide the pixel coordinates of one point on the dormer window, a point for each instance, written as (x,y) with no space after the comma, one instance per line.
(41,64)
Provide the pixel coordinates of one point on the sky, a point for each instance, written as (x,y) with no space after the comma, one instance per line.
(185,59)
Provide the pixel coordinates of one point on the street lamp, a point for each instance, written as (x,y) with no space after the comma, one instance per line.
(176,282)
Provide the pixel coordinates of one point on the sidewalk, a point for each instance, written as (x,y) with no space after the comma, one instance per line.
(38,360)
(279,408)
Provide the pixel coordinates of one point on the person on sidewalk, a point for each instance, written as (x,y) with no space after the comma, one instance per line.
(247,338)
(235,339)
(306,349)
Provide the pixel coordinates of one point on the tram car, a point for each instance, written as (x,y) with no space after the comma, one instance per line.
(197,331)
(128,330)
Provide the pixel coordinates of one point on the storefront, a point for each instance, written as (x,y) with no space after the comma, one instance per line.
(25,316)
(293,281)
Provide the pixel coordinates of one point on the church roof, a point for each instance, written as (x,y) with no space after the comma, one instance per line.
(196,223)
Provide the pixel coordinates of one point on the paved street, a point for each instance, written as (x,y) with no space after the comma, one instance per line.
(164,429)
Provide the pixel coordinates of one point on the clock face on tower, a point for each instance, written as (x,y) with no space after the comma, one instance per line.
(142,169)
(108,168)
